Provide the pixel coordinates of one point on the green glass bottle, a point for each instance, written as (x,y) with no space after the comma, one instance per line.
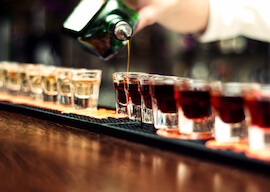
(102,26)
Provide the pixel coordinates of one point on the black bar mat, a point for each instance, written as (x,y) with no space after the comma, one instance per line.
(142,133)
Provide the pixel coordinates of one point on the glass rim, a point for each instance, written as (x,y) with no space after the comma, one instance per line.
(187,84)
(86,70)
(227,86)
(163,79)
(137,74)
(87,74)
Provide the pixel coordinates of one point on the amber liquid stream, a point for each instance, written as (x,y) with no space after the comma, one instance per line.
(128,61)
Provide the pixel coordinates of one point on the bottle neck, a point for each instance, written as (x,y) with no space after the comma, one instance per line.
(122,30)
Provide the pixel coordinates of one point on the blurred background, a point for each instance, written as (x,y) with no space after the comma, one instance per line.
(30,32)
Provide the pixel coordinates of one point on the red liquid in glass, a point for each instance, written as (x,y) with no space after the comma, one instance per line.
(164,95)
(195,104)
(133,93)
(259,111)
(230,109)
(121,96)
(145,92)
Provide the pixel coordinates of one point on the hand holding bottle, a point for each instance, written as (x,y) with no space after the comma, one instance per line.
(184,16)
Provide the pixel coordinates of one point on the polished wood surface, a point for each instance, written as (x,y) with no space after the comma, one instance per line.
(39,155)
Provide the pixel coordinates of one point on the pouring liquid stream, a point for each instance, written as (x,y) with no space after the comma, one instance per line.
(128,61)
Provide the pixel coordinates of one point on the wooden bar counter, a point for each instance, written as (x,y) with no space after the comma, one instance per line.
(40,155)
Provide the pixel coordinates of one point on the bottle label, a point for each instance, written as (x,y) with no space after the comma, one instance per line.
(82,14)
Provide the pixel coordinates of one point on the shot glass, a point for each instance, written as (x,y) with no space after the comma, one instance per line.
(49,84)
(13,81)
(2,80)
(257,104)
(35,81)
(24,82)
(85,88)
(228,103)
(120,95)
(146,101)
(163,102)
(2,76)
(133,95)
(196,116)
(5,67)
(64,77)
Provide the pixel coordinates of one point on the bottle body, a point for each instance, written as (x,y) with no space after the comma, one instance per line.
(104,27)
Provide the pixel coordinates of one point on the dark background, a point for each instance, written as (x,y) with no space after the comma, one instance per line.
(30,32)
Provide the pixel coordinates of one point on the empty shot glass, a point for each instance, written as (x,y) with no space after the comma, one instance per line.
(35,81)
(13,81)
(5,67)
(133,95)
(64,77)
(24,82)
(2,65)
(228,103)
(49,84)
(120,95)
(163,102)
(146,101)
(196,116)
(85,88)
(257,104)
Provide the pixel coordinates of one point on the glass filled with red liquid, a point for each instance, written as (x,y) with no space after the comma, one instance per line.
(120,95)
(163,102)
(228,103)
(196,116)
(133,95)
(146,101)
(257,104)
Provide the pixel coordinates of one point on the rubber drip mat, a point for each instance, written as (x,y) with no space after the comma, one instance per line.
(75,116)
(142,133)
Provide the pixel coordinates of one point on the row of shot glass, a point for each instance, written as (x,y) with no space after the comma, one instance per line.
(78,88)
(230,112)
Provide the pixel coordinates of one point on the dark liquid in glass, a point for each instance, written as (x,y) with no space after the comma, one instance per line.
(65,100)
(145,92)
(133,93)
(164,95)
(121,96)
(230,109)
(259,111)
(51,98)
(195,104)
(81,103)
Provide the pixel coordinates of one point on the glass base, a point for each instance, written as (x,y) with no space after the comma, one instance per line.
(13,92)
(65,100)
(147,115)
(196,126)
(134,112)
(50,98)
(25,93)
(36,96)
(165,120)
(258,138)
(230,132)
(121,109)
(85,103)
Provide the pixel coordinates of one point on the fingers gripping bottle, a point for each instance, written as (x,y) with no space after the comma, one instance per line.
(102,26)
